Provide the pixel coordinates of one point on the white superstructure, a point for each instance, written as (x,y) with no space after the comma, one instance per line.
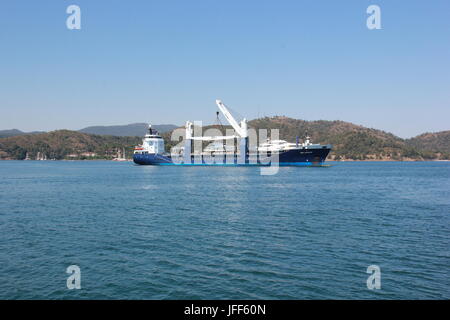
(282,145)
(152,143)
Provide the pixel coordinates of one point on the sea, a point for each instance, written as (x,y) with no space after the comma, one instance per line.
(353,230)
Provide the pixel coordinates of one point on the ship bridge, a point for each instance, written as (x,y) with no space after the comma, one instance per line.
(152,143)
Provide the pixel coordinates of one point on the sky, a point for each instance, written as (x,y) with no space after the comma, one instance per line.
(167,62)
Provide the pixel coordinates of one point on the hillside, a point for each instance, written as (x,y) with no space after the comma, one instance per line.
(129,130)
(65,144)
(435,142)
(15,132)
(350,142)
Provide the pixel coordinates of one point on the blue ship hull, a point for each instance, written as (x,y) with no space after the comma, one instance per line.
(295,157)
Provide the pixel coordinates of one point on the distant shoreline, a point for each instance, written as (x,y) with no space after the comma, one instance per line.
(390,160)
(131,160)
(350,142)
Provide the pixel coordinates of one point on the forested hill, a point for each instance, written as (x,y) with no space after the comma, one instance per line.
(350,142)
(129,130)
(65,144)
(356,142)
(15,132)
(436,142)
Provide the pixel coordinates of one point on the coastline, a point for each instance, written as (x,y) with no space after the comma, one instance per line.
(347,160)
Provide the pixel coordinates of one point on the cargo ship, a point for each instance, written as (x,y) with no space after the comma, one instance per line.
(268,153)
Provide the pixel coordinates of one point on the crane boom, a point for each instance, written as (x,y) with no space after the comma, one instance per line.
(241,130)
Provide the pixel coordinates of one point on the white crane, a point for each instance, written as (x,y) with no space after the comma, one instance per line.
(241,130)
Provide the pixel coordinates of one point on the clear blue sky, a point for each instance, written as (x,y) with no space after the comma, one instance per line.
(167,61)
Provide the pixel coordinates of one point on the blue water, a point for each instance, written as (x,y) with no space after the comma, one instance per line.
(142,232)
